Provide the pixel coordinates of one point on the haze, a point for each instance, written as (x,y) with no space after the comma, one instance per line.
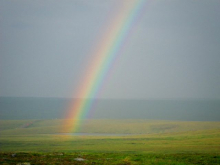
(174,52)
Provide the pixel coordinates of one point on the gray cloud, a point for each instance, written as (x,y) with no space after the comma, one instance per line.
(174,53)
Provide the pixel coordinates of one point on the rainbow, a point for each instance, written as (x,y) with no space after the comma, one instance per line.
(108,49)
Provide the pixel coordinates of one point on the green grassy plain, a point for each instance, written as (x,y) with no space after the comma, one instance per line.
(147,142)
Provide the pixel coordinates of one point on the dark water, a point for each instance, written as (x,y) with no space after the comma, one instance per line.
(95,134)
(51,108)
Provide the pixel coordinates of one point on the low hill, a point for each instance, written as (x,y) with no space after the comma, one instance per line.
(122,126)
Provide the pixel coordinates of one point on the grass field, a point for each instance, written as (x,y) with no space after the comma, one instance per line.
(148,142)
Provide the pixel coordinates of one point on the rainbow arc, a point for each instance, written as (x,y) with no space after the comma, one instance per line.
(107,50)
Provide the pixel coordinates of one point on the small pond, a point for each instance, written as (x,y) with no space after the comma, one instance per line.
(95,134)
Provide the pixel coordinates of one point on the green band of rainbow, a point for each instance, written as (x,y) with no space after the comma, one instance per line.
(106,52)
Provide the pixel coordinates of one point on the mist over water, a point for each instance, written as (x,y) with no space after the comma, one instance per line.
(52,108)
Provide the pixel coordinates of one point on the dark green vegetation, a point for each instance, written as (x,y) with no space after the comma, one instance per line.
(149,142)
(108,158)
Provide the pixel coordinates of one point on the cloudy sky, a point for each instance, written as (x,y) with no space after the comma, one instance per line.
(174,52)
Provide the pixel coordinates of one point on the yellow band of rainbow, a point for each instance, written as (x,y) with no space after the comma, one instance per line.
(104,55)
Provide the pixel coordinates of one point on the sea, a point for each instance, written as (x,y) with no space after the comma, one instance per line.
(17,108)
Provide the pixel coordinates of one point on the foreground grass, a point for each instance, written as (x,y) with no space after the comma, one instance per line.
(160,142)
(206,141)
(108,158)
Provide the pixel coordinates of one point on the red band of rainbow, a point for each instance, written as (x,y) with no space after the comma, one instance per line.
(104,55)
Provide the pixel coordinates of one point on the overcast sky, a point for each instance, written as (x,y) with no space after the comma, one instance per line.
(174,52)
